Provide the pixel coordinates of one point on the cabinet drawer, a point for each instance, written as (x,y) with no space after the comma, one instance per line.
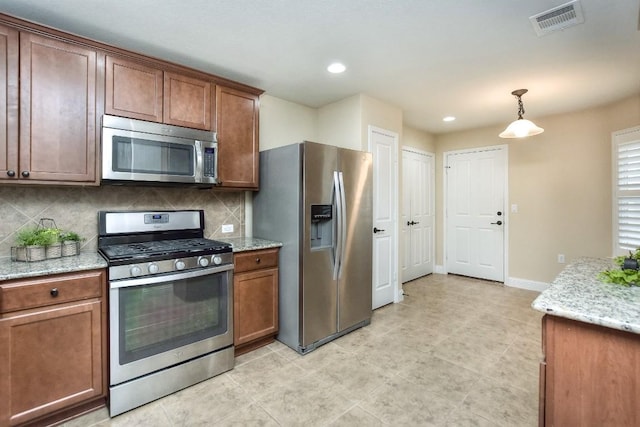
(48,290)
(255,260)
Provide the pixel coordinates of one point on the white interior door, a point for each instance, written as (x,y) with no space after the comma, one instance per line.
(382,145)
(475,214)
(417,222)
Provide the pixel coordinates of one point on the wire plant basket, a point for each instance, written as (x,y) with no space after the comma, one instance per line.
(46,241)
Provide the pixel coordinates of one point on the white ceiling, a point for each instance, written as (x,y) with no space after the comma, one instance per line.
(431,58)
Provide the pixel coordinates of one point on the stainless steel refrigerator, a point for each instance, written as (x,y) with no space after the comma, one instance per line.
(317,200)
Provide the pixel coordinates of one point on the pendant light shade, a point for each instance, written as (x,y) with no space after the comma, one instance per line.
(520,128)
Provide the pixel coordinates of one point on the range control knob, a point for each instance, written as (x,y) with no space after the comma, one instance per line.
(203,261)
(135,270)
(179,264)
(217,260)
(153,268)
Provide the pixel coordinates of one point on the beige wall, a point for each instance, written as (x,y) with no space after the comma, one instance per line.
(421,140)
(342,123)
(381,115)
(283,123)
(339,123)
(560,179)
(561,182)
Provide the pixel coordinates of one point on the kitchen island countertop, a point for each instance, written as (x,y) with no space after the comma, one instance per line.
(243,244)
(578,294)
(10,270)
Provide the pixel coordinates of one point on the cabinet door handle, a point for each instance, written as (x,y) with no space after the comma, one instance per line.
(11,173)
(257,260)
(25,174)
(54,292)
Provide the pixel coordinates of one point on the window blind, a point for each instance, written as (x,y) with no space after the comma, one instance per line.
(626,147)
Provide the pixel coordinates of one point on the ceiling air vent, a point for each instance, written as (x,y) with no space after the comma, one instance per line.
(558,18)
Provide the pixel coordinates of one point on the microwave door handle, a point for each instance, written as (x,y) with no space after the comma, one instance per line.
(199,166)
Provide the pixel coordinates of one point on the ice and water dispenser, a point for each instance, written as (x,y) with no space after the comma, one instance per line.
(321,226)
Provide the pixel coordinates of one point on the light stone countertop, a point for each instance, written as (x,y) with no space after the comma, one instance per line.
(10,270)
(243,244)
(578,294)
(19,270)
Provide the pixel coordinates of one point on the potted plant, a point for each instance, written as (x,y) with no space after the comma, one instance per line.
(51,241)
(31,244)
(70,243)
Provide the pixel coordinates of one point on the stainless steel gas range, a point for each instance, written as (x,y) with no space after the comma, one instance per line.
(170,303)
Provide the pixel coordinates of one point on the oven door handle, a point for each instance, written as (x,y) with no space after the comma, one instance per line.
(150,280)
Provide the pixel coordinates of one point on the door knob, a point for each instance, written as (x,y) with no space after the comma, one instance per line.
(25,174)
(11,173)
(497,223)
(414,222)
(408,223)
(377,230)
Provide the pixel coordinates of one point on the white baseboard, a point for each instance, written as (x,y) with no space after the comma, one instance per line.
(530,285)
(513,282)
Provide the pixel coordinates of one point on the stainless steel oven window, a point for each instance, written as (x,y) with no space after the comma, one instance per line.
(150,156)
(160,317)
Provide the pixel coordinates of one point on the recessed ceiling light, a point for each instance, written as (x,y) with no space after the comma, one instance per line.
(336,68)
(448,119)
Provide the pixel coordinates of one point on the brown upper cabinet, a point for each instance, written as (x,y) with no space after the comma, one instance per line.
(54,140)
(143,92)
(133,90)
(187,101)
(237,127)
(8,102)
(55,87)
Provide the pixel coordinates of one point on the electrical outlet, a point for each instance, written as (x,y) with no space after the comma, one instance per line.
(560,258)
(227,228)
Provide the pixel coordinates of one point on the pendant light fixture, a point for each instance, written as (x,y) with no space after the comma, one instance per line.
(520,128)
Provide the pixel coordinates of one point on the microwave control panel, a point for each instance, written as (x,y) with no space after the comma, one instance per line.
(209,162)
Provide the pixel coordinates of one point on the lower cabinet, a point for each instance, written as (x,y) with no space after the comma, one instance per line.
(53,355)
(590,375)
(255,299)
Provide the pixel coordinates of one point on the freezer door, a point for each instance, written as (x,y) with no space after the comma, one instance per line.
(354,283)
(318,292)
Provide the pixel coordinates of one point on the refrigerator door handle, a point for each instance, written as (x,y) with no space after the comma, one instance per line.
(343,214)
(337,254)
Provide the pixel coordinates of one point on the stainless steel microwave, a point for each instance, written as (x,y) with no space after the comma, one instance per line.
(137,151)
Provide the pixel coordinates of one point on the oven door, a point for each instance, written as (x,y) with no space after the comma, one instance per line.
(162,321)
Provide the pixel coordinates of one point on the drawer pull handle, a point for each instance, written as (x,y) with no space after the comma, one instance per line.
(54,292)
(257,260)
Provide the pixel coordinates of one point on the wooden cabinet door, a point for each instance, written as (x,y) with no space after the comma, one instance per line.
(133,90)
(8,103)
(57,110)
(591,375)
(50,359)
(255,303)
(237,127)
(187,101)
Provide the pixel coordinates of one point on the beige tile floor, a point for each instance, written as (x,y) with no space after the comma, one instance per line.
(455,352)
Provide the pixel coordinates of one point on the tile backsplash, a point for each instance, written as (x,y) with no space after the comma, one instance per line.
(76,208)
